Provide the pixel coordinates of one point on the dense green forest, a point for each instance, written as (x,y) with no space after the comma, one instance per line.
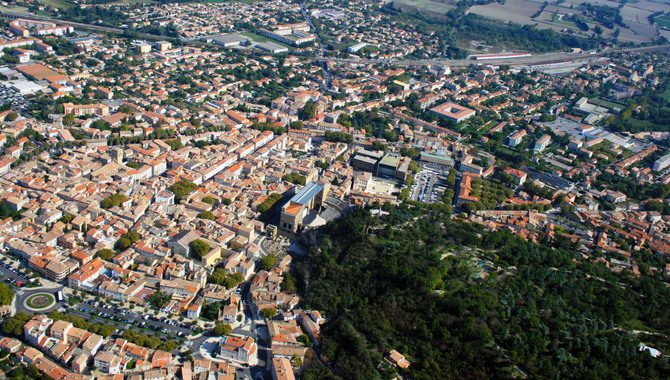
(414,281)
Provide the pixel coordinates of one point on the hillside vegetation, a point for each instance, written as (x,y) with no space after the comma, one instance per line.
(415,285)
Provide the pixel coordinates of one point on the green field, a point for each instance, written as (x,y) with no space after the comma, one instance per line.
(427,5)
(60,4)
(259,38)
(14,9)
(607,104)
(663,20)
(558,21)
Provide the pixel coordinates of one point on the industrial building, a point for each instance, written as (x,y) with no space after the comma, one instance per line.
(391,165)
(444,162)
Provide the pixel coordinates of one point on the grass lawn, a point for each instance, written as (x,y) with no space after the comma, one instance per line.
(258,38)
(14,9)
(488,125)
(607,104)
(558,21)
(643,124)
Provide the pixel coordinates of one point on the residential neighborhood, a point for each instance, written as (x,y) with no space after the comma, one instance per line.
(162,200)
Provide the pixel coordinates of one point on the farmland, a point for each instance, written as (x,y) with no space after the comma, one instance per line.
(663,20)
(516,11)
(439,7)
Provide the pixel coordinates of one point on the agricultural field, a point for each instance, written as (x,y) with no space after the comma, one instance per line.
(663,20)
(635,15)
(516,11)
(439,7)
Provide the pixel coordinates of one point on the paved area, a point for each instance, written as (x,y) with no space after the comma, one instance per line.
(23,294)
(429,185)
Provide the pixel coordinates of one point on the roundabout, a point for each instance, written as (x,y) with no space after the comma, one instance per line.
(40,301)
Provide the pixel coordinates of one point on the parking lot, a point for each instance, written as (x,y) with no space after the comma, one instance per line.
(125,319)
(14,276)
(429,184)
(8,95)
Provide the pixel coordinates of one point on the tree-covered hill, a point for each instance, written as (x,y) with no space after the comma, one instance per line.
(411,281)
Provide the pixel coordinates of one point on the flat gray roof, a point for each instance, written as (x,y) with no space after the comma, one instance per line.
(308,192)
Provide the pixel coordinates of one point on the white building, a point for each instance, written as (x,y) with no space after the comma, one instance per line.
(356,48)
(662,163)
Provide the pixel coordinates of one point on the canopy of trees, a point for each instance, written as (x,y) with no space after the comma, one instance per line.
(268,262)
(386,287)
(128,239)
(182,188)
(175,144)
(206,215)
(295,178)
(157,299)
(6,294)
(113,200)
(198,248)
(269,203)
(105,254)
(222,329)
(269,312)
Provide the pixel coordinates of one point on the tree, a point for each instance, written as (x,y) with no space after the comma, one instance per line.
(295,178)
(106,253)
(308,111)
(268,262)
(182,188)
(175,144)
(14,325)
(6,294)
(11,116)
(198,248)
(113,200)
(133,164)
(168,345)
(218,276)
(229,282)
(206,215)
(209,200)
(68,119)
(123,243)
(157,299)
(296,125)
(222,329)
(33,372)
(269,312)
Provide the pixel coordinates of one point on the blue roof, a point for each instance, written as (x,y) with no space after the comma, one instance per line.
(308,192)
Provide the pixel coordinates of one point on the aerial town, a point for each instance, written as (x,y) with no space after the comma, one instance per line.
(162,197)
